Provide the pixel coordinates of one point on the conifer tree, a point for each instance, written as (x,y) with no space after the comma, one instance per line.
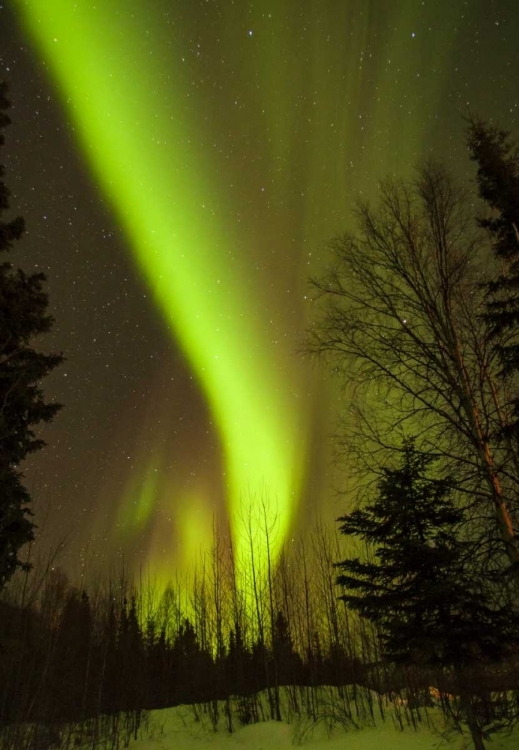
(238,663)
(418,584)
(497,159)
(23,315)
(130,657)
(70,689)
(286,661)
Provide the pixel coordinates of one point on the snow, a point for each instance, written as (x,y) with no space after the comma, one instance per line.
(179,729)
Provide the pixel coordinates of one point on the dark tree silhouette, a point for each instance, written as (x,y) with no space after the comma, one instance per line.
(130,657)
(23,315)
(70,693)
(237,663)
(400,319)
(286,662)
(191,666)
(417,583)
(497,159)
(158,662)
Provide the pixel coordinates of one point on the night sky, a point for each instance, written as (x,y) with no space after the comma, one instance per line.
(181,166)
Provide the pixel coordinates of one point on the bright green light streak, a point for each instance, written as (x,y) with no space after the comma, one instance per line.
(137,134)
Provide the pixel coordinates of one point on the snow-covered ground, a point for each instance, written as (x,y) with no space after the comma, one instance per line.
(179,729)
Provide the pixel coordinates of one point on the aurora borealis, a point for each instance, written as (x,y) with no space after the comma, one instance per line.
(172,224)
(181,166)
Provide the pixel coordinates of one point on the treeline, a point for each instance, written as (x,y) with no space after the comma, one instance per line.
(67,654)
(100,659)
(81,661)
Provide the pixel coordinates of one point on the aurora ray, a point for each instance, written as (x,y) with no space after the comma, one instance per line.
(142,144)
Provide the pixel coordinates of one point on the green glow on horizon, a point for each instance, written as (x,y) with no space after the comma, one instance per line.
(141,142)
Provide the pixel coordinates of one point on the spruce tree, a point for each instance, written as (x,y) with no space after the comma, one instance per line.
(23,316)
(237,664)
(418,584)
(71,690)
(497,159)
(287,664)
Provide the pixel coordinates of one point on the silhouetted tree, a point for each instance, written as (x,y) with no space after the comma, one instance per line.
(191,666)
(69,693)
(158,662)
(402,322)
(130,658)
(20,659)
(497,159)
(417,584)
(259,674)
(287,662)
(23,315)
(237,664)
(109,677)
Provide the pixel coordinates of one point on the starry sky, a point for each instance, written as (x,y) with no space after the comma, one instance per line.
(181,165)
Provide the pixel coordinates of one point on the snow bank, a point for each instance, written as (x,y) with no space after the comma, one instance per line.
(179,729)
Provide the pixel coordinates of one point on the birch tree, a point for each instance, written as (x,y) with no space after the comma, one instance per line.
(400,317)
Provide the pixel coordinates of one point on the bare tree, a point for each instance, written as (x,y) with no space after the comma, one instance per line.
(402,323)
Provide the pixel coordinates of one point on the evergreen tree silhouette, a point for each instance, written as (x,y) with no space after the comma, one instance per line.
(23,315)
(497,159)
(191,667)
(238,664)
(109,677)
(158,669)
(130,658)
(419,586)
(287,662)
(70,689)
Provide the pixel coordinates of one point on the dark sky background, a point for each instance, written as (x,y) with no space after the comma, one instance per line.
(249,127)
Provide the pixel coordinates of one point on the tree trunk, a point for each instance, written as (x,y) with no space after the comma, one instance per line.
(470,718)
(485,454)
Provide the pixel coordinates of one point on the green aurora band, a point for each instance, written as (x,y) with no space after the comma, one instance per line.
(141,146)
(144,136)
